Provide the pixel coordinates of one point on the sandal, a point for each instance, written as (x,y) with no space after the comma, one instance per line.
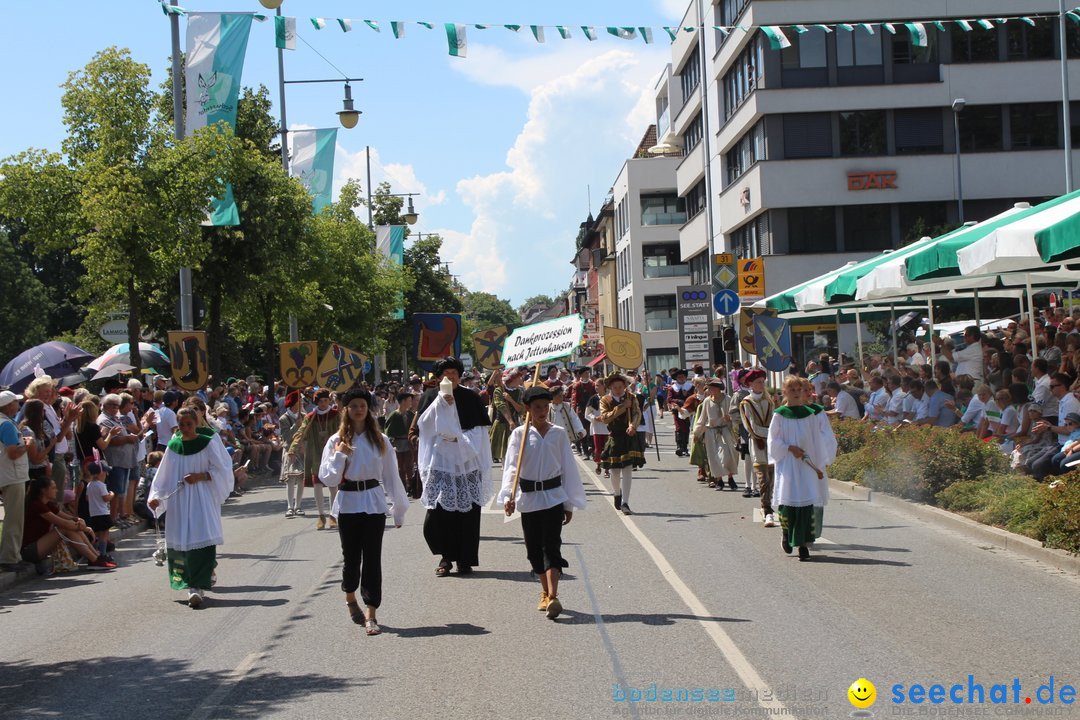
(443,570)
(355,613)
(372,627)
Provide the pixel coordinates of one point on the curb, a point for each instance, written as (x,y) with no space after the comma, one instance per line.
(970,529)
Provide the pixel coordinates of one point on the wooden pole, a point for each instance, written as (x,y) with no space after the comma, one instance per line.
(524,440)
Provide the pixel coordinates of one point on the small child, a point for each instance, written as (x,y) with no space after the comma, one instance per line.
(153,459)
(98,498)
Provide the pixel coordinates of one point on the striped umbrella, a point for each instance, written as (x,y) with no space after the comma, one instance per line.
(152,357)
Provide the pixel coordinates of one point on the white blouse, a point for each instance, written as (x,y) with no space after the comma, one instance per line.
(364,463)
(546,456)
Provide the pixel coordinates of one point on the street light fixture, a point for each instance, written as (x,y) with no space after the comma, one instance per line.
(270,4)
(349,115)
(958,107)
(411,216)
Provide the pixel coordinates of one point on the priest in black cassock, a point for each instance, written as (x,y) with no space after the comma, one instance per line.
(455,468)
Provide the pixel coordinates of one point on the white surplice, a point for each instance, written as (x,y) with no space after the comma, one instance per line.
(194,519)
(797,484)
(454,464)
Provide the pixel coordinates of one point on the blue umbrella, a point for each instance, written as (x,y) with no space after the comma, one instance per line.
(55,358)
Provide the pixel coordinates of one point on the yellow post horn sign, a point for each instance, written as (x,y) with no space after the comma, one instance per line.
(623,348)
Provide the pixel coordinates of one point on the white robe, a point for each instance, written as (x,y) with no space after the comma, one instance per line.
(797,485)
(194,519)
(454,464)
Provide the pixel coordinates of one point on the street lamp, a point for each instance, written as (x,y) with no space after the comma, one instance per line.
(270,4)
(958,107)
(349,115)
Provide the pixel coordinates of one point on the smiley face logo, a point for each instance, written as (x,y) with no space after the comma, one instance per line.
(862,693)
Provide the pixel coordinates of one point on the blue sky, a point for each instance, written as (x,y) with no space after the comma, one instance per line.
(501,144)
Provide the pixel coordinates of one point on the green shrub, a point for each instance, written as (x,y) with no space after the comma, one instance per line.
(1008,500)
(1059,524)
(851,434)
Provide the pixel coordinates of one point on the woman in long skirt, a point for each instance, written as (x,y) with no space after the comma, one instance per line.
(623,451)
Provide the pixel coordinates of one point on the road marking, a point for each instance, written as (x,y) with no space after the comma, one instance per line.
(731,652)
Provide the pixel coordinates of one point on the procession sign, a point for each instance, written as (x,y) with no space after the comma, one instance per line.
(340,368)
(543,341)
(299,363)
(488,344)
(623,348)
(190,361)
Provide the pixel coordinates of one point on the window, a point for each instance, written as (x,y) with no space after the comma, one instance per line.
(662,209)
(660,359)
(694,132)
(1033,125)
(980,128)
(867,227)
(858,47)
(905,52)
(749,150)
(918,220)
(730,10)
(660,313)
(919,130)
(695,199)
(752,239)
(742,79)
(811,230)
(699,269)
(690,75)
(976,46)
(862,132)
(807,135)
(1026,42)
(807,50)
(661,261)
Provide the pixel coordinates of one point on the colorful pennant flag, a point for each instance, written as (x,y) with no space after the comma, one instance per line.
(398,28)
(672,32)
(429,26)
(918,34)
(777,39)
(515,28)
(867,27)
(285,32)
(588,32)
(563,31)
(345,23)
(646,34)
(889,28)
(985,24)
(318,23)
(626,33)
(538,32)
(373,25)
(455,38)
(313,163)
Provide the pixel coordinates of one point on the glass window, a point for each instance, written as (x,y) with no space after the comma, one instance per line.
(980,128)
(660,359)
(1024,42)
(906,53)
(690,75)
(662,209)
(660,313)
(742,79)
(858,47)
(694,132)
(862,132)
(663,261)
(811,230)
(976,46)
(918,220)
(730,10)
(807,135)
(695,199)
(752,239)
(1033,125)
(867,227)
(807,49)
(748,151)
(699,269)
(919,130)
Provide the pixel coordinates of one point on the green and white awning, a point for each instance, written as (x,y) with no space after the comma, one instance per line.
(1050,233)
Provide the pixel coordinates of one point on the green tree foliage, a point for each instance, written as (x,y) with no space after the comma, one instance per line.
(23,314)
(536,300)
(484,310)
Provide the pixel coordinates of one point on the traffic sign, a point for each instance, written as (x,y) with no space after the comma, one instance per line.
(725,273)
(726,302)
(752,279)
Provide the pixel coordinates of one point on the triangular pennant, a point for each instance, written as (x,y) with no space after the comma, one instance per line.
(672,32)
(563,31)
(940,25)
(429,26)
(515,28)
(373,25)
(826,28)
(455,38)
(985,24)
(318,23)
(964,25)
(626,33)
(918,34)
(538,32)
(345,23)
(646,34)
(1028,20)
(481,27)
(867,27)
(723,30)
(799,29)
(172,9)
(845,26)
(398,28)
(889,27)
(588,32)
(777,39)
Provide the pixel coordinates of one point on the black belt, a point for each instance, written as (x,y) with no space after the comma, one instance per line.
(538,485)
(358,485)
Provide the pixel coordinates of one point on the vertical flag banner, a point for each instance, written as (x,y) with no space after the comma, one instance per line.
(216,45)
(390,241)
(455,38)
(538,32)
(190,361)
(398,28)
(777,39)
(435,336)
(346,24)
(588,31)
(285,32)
(313,163)
(299,363)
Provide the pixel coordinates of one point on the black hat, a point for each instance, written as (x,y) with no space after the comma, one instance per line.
(679,372)
(353,394)
(448,363)
(536,393)
(322,393)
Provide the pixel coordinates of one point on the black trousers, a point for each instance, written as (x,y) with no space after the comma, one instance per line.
(455,536)
(543,538)
(361,536)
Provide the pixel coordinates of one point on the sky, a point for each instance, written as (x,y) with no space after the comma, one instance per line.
(504,146)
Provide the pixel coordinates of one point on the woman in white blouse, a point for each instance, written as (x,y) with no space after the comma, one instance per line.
(361,463)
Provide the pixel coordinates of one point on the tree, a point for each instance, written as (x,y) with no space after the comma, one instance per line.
(23,315)
(484,310)
(545,300)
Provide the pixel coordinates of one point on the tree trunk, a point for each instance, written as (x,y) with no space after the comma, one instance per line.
(134,356)
(216,337)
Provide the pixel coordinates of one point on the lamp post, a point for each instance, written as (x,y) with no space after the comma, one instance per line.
(1065,104)
(958,107)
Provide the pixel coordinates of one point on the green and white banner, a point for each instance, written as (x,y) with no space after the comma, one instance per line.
(216,44)
(313,163)
(390,241)
(285,32)
(456,40)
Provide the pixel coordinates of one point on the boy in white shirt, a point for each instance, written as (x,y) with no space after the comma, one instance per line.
(98,499)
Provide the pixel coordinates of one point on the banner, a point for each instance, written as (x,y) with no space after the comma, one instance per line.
(299,363)
(623,348)
(543,341)
(190,361)
(390,241)
(772,338)
(746,327)
(488,344)
(216,44)
(456,40)
(340,368)
(436,336)
(752,279)
(313,163)
(285,32)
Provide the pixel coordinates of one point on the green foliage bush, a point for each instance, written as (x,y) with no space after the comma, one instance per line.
(1008,500)
(1059,523)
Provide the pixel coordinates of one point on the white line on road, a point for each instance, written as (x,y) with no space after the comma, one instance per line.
(731,652)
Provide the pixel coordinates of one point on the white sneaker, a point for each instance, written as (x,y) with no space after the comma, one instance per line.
(770,520)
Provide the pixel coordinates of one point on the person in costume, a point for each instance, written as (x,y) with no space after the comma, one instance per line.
(678,393)
(292,470)
(756,412)
(455,468)
(508,411)
(549,490)
(713,425)
(798,451)
(361,462)
(560,413)
(742,438)
(699,457)
(621,412)
(310,438)
(827,449)
(191,484)
(598,429)
(581,393)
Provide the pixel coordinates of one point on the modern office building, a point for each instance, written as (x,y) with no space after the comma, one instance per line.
(845,143)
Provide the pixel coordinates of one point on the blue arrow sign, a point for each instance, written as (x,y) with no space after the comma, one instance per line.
(726,302)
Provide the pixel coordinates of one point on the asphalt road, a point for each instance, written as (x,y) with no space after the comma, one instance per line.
(689,593)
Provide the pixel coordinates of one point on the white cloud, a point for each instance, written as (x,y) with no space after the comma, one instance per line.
(402,177)
(673,10)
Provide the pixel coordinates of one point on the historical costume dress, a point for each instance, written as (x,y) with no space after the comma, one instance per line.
(713,425)
(193,524)
(310,437)
(622,452)
(455,468)
(756,412)
(677,395)
(500,428)
(699,456)
(798,487)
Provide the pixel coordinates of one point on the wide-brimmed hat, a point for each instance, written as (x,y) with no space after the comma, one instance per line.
(680,371)
(616,377)
(716,383)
